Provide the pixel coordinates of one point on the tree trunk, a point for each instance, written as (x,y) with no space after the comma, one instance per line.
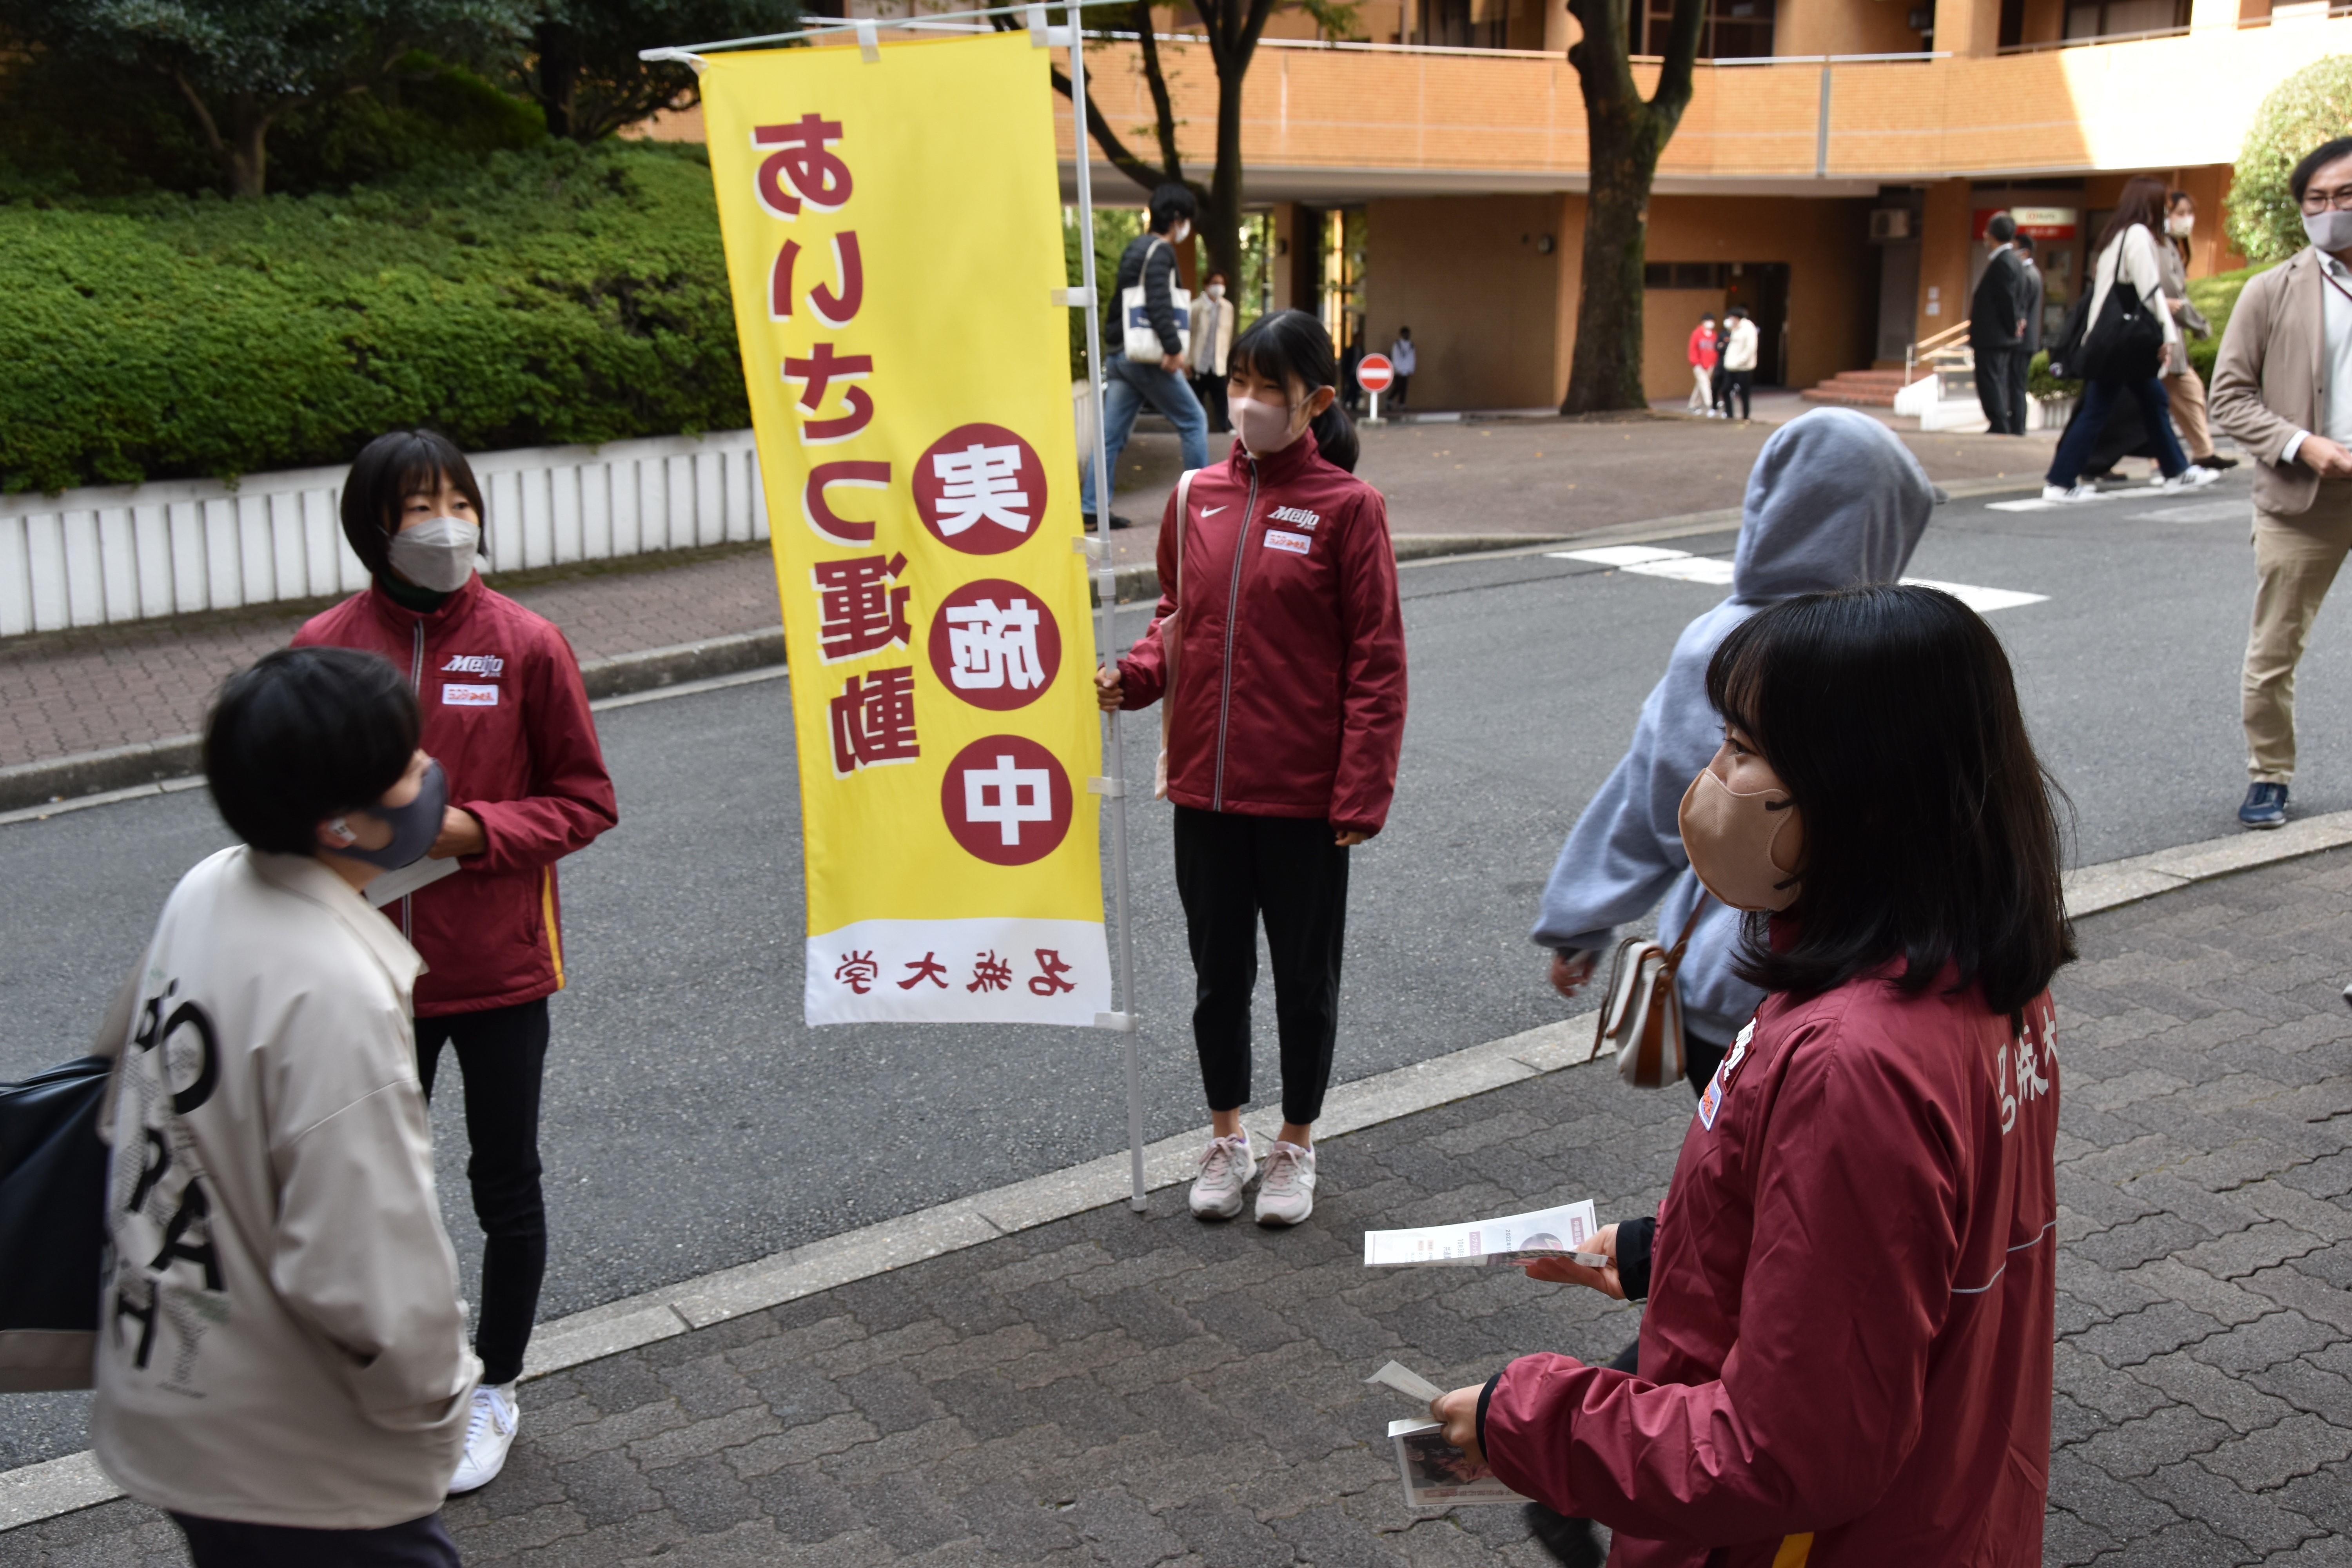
(558,75)
(248,157)
(1607,371)
(1221,215)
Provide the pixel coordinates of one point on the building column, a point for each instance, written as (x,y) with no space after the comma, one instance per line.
(1568,256)
(1944,241)
(1967,26)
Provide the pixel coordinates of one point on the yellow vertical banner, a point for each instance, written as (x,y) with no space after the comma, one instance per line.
(894,238)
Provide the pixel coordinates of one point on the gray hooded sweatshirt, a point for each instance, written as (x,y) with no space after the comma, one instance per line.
(1835,501)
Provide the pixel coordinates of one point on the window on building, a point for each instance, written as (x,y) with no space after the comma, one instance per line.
(1465,24)
(1734,30)
(1685,274)
(2105,18)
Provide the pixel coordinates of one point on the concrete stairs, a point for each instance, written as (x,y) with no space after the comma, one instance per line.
(1861,388)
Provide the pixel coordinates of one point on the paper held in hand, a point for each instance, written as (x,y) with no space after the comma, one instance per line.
(1514,1239)
(1436,1474)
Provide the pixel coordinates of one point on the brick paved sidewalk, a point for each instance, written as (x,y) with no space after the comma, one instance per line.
(1126,1390)
(64,693)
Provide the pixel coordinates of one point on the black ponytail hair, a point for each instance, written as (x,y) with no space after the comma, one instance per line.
(1291,343)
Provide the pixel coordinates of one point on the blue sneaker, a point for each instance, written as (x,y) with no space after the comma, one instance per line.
(2265,806)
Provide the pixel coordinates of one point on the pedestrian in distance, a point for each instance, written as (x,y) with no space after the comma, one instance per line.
(2037,295)
(1836,500)
(1130,383)
(1997,314)
(2289,337)
(1406,359)
(2127,259)
(281,1359)
(1212,345)
(1278,653)
(1739,361)
(1851,1284)
(1702,364)
(2184,389)
(505,711)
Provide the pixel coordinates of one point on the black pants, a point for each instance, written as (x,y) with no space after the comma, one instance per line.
(226,1543)
(1229,869)
(500,1051)
(1742,382)
(1700,1059)
(2000,390)
(1404,385)
(1211,391)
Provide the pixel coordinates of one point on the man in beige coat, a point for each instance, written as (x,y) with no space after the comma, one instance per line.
(2283,387)
(281,1352)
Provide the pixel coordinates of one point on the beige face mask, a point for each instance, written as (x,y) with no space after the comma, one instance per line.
(1743,832)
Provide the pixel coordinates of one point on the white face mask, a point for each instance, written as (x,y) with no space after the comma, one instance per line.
(2331,231)
(1216,291)
(1181,232)
(437,553)
(2181,225)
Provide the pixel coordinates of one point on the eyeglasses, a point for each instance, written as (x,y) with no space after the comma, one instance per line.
(2316,202)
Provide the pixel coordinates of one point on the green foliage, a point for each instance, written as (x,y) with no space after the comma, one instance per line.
(564,294)
(582,67)
(2313,106)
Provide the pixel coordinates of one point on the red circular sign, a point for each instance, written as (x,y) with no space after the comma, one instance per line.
(1374,372)
(1006,800)
(981,488)
(994,644)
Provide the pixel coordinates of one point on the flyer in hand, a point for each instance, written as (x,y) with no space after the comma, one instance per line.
(1436,1474)
(1559,1232)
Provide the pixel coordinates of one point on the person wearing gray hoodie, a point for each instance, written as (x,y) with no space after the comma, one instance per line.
(1834,501)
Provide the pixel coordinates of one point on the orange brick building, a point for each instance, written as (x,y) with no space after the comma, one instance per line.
(1833,172)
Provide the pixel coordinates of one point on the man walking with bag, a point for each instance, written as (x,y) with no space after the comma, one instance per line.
(2283,387)
(1145,339)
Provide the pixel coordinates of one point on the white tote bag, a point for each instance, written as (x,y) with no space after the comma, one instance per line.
(1143,344)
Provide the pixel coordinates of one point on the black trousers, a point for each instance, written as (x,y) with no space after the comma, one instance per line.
(1402,388)
(1700,1059)
(1742,382)
(1211,391)
(226,1544)
(1229,869)
(501,1052)
(2000,390)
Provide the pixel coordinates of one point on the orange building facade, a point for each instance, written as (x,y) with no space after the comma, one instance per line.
(1833,172)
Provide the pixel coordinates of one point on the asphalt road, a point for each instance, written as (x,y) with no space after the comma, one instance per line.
(692,1122)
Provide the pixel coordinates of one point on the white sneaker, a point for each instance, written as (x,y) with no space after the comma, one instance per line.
(488,1435)
(2191,478)
(1225,1171)
(1287,1194)
(2062,495)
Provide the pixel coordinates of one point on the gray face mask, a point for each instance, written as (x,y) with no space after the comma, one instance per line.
(2331,231)
(413,826)
(437,553)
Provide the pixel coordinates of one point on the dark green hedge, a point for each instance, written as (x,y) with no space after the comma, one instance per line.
(563,294)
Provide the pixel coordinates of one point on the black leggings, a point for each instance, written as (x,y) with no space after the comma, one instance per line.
(229,1543)
(1229,869)
(500,1051)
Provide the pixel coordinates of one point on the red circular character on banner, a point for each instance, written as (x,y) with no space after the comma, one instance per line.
(981,488)
(1374,372)
(994,644)
(1006,800)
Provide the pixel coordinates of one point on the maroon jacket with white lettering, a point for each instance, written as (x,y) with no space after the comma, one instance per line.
(1852,1303)
(507,718)
(1290,675)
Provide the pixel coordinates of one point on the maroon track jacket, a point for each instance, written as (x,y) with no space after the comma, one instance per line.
(1850,1312)
(1290,675)
(506,717)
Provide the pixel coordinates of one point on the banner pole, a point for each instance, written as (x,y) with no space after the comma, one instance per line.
(1106,592)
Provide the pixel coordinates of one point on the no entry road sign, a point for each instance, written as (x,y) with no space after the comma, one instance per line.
(1375,374)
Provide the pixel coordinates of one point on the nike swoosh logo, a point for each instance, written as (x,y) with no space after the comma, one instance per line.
(1212,510)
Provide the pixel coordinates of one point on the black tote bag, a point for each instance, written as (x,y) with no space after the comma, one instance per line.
(52,1226)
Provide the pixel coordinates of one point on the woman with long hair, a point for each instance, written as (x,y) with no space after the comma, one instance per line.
(1846,1354)
(2127,258)
(1278,649)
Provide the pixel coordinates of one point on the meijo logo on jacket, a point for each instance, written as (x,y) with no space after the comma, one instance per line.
(474,663)
(1297,514)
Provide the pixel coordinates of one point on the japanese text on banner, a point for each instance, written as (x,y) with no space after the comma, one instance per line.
(893,280)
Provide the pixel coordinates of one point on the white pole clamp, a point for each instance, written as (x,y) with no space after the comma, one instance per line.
(1117,1023)
(1107,786)
(869,42)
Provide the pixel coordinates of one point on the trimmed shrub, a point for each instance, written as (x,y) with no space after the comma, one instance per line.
(2313,106)
(563,294)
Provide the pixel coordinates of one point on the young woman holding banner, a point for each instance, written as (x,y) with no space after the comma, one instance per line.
(506,717)
(1278,649)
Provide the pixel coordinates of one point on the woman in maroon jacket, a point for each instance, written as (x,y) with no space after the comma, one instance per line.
(1285,713)
(1846,1356)
(507,718)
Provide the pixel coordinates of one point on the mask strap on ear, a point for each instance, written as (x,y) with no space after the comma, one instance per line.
(342,830)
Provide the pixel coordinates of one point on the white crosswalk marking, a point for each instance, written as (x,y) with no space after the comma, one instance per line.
(1680,565)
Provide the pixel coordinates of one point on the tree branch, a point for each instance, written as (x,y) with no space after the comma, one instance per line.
(1163,109)
(204,115)
(1124,160)
(1673,94)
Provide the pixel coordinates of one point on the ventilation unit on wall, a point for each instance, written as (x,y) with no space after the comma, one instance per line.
(1889,224)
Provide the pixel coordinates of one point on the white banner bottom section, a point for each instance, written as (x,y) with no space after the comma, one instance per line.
(959,972)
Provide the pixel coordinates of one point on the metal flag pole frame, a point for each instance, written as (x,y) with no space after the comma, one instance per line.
(1112,784)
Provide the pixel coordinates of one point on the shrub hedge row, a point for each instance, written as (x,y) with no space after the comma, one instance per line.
(561,294)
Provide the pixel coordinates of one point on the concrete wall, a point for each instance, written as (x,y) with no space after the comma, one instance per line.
(1843,27)
(1467,275)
